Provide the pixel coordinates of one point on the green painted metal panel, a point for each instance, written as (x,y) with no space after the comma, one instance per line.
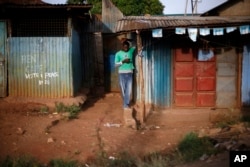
(40,67)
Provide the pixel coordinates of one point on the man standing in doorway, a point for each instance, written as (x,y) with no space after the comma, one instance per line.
(124,61)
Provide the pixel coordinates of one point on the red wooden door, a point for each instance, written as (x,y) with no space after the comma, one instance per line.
(194,80)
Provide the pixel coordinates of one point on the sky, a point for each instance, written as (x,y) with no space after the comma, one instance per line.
(174,6)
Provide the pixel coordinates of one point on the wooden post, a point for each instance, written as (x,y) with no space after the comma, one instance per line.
(141,78)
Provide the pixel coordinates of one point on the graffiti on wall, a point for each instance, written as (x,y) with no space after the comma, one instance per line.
(34,70)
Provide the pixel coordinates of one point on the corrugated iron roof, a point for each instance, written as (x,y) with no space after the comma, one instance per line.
(39,4)
(22,2)
(132,23)
(55,6)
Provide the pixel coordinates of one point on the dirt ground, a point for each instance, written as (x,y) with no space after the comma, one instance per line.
(25,130)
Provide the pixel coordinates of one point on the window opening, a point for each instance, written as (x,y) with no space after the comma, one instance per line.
(32,27)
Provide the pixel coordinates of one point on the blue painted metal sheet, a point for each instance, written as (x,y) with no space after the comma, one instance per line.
(157,73)
(245,88)
(40,67)
(3,58)
(77,70)
(111,74)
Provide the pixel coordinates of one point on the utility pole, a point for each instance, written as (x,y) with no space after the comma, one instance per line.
(194,6)
(186,7)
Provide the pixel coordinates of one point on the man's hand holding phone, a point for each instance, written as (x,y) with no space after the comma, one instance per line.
(126,60)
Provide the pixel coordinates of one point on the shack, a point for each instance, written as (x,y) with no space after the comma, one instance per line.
(41,48)
(193,61)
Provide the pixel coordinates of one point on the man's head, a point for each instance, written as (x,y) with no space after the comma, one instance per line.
(125,46)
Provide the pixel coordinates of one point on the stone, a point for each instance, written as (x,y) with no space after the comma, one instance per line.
(20,131)
(50,140)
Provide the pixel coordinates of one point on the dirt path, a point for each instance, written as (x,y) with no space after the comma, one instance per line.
(25,130)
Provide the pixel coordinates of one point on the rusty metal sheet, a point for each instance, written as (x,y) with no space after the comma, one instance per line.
(132,23)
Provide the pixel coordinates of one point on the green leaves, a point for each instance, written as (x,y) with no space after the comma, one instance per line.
(127,7)
(139,7)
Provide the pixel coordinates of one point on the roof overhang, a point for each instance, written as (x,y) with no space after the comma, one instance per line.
(144,23)
(16,10)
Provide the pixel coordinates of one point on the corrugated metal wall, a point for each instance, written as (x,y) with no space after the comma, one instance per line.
(3,58)
(226,88)
(110,15)
(40,67)
(245,87)
(93,63)
(111,74)
(111,45)
(76,61)
(157,72)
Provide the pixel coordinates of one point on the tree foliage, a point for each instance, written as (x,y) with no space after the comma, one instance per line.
(127,7)
(97,5)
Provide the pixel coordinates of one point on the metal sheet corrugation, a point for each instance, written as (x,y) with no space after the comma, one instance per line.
(157,73)
(95,25)
(111,74)
(90,52)
(245,88)
(110,15)
(40,67)
(226,78)
(3,58)
(132,23)
(76,61)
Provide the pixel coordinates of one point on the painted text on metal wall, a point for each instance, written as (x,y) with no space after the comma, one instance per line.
(34,70)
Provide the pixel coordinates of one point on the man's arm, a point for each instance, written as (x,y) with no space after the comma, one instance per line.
(118,61)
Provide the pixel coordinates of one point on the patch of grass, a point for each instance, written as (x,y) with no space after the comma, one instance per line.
(72,110)
(162,160)
(59,107)
(44,110)
(224,124)
(63,163)
(245,119)
(192,147)
(22,161)
(122,160)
